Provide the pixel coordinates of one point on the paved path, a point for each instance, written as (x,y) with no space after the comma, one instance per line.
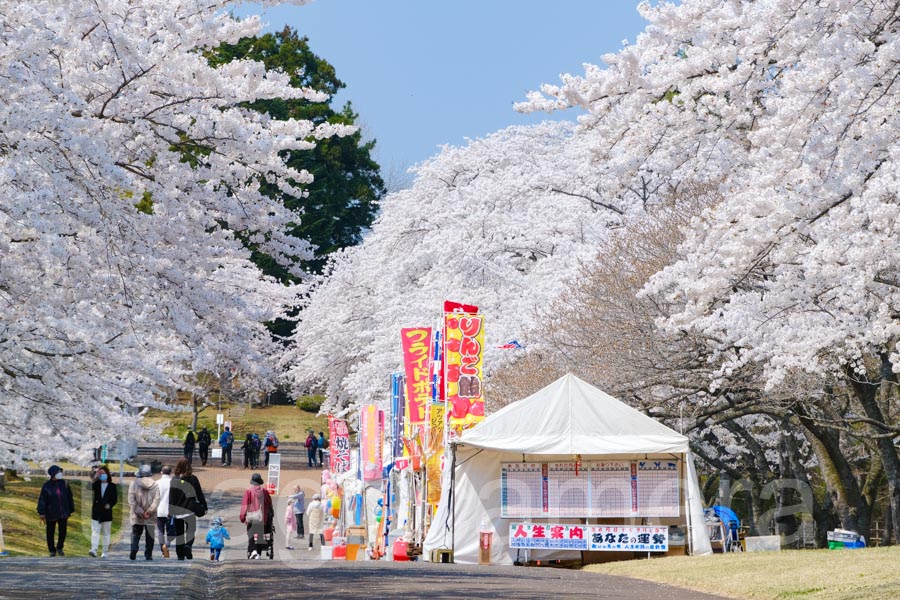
(28,578)
(295,573)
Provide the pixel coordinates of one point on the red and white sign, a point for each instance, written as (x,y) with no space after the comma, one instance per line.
(339,434)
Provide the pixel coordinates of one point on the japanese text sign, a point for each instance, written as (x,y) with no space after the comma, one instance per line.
(648,538)
(339,434)
(417,353)
(463,371)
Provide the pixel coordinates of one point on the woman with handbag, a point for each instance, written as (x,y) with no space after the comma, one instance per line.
(106,495)
(186,503)
(257,514)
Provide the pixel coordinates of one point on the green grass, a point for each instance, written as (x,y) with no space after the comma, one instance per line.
(864,574)
(23,531)
(288,422)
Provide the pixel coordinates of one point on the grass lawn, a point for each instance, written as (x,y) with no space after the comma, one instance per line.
(867,573)
(23,531)
(288,422)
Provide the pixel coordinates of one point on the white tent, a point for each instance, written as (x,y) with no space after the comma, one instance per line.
(567,418)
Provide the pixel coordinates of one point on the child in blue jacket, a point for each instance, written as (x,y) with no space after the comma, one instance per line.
(216,538)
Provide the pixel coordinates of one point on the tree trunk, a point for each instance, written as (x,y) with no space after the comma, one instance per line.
(866,393)
(840,481)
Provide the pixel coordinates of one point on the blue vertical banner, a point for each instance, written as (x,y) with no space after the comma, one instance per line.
(396,415)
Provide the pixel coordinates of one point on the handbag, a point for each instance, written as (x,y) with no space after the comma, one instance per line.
(253,516)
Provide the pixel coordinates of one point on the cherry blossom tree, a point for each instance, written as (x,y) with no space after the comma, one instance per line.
(129,173)
(497,223)
(791,106)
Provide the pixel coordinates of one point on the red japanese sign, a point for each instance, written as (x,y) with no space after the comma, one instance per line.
(339,435)
(463,372)
(416,343)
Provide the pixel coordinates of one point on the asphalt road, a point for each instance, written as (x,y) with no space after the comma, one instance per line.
(70,577)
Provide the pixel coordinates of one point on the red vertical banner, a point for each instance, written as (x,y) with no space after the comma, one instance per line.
(339,437)
(371,432)
(416,342)
(463,370)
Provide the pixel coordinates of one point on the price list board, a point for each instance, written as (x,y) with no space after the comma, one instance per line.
(521,491)
(612,489)
(658,488)
(569,490)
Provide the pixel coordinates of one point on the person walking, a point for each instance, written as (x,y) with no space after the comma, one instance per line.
(316,513)
(271,445)
(311,445)
(216,537)
(226,441)
(143,497)
(203,443)
(105,496)
(55,505)
(257,514)
(165,528)
(290,521)
(186,503)
(257,446)
(247,447)
(190,441)
(299,500)
(322,446)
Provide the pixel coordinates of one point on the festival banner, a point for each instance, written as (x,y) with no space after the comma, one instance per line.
(371,432)
(416,343)
(396,415)
(463,370)
(435,453)
(551,536)
(339,435)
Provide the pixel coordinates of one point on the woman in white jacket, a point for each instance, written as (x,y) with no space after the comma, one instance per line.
(315,512)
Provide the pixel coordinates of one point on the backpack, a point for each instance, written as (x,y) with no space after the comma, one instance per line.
(325,444)
(229,438)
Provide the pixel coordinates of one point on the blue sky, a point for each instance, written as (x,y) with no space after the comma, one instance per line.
(422,73)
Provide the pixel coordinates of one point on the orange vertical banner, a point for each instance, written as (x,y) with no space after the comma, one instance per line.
(416,342)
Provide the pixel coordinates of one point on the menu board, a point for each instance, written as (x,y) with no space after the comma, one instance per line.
(596,489)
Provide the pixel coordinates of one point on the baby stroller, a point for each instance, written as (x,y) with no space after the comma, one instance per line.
(267,540)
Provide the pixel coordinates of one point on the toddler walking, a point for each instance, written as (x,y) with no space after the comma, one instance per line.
(290,522)
(216,537)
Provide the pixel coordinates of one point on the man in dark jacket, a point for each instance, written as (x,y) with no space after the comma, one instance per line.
(204,441)
(189,441)
(55,505)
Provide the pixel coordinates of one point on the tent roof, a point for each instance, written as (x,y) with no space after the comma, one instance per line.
(570,416)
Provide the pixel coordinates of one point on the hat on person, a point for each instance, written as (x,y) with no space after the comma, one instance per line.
(144,471)
(216,521)
(256,479)
(52,471)
(317,497)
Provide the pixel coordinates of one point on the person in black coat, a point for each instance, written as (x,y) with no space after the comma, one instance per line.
(106,495)
(203,442)
(186,503)
(55,505)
